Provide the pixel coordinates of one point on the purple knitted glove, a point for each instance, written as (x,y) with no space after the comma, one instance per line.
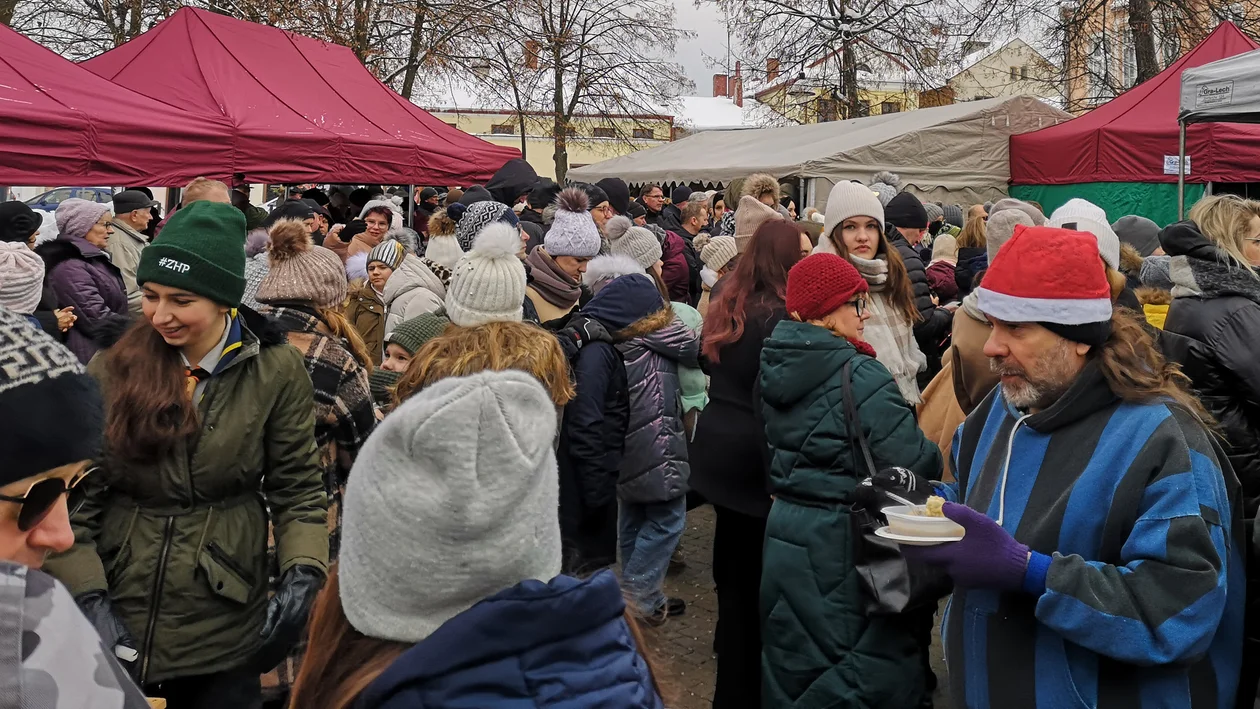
(987,557)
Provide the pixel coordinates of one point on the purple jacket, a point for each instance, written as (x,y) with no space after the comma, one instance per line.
(82,275)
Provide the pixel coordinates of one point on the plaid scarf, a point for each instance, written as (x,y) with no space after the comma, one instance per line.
(889,333)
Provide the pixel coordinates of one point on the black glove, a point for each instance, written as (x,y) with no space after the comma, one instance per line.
(581,331)
(287,614)
(872,493)
(98,609)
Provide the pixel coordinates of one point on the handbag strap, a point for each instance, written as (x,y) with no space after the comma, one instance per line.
(857,438)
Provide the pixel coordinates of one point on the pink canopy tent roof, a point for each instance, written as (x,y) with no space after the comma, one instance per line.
(62,124)
(1126,139)
(299,111)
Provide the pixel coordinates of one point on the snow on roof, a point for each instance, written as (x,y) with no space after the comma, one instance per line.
(710,113)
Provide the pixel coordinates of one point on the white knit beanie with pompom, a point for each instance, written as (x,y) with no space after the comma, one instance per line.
(488,283)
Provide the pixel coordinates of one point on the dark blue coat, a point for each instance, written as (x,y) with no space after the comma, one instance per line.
(558,645)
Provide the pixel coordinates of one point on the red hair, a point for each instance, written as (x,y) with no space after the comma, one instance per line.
(761,272)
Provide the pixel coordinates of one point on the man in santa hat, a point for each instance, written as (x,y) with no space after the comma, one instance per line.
(1102,559)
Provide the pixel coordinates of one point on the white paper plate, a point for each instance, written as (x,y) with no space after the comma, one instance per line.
(913,541)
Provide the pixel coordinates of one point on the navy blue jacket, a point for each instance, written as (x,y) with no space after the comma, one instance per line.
(558,645)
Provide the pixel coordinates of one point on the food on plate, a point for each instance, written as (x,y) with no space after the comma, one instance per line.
(935,506)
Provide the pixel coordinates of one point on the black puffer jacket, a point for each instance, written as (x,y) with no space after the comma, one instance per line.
(933,329)
(1217,309)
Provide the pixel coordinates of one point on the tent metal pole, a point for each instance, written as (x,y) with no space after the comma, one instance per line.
(1181,171)
(411,206)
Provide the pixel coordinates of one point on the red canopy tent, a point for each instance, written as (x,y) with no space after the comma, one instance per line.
(295,119)
(63,124)
(1125,141)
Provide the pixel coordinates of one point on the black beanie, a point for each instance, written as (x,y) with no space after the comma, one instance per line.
(906,211)
(681,194)
(18,222)
(289,209)
(543,194)
(594,194)
(50,408)
(1094,334)
(618,193)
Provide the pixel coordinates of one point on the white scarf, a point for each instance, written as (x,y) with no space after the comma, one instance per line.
(889,333)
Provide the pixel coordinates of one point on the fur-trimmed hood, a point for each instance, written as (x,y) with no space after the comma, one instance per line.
(647,325)
(1130,261)
(603,269)
(1153,296)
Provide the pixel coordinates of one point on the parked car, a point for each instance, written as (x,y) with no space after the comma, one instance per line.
(49,200)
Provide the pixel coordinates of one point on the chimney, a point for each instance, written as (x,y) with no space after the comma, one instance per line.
(737,87)
(720,87)
(772,69)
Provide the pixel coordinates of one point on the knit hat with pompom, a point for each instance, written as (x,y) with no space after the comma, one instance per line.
(488,283)
(300,271)
(573,233)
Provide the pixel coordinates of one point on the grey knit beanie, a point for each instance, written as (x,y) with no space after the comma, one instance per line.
(300,271)
(953,215)
(1139,232)
(848,199)
(488,283)
(454,498)
(573,233)
(934,211)
(75,216)
(389,252)
(639,244)
(21,277)
(718,252)
(1001,227)
(1038,219)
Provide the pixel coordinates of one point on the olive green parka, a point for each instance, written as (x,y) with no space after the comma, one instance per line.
(819,648)
(181,545)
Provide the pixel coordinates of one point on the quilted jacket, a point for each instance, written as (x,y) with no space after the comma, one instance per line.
(819,649)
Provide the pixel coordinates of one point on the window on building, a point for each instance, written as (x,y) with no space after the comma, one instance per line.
(1023,73)
(1128,67)
(503,129)
(1236,13)
(1097,73)
(863,109)
(828,110)
(645,133)
(1172,48)
(890,107)
(604,132)
(1014,73)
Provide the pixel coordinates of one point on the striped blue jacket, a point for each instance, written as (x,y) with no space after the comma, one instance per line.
(1134,595)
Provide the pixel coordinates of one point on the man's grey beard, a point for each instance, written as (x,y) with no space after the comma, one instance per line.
(1042,391)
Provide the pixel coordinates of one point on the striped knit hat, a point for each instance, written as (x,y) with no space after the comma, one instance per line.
(21,277)
(477,217)
(300,271)
(389,252)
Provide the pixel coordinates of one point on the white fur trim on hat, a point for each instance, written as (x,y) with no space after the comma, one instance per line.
(1063,311)
(603,269)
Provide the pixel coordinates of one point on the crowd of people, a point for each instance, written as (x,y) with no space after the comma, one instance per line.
(316,458)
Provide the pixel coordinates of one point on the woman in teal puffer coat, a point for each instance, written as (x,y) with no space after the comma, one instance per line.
(819,648)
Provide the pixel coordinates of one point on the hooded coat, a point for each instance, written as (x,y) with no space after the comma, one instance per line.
(366,312)
(517,650)
(186,564)
(1217,308)
(655,467)
(819,648)
(81,275)
(414,289)
(514,180)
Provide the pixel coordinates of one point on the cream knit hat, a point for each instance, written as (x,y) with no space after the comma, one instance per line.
(718,252)
(300,271)
(488,283)
(1080,215)
(453,499)
(21,277)
(639,244)
(848,199)
(748,218)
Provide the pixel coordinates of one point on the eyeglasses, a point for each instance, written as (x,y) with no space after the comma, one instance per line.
(859,306)
(40,498)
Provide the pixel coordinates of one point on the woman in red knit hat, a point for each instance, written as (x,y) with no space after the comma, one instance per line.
(808,579)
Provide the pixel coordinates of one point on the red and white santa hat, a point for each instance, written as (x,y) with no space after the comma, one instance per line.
(1047,275)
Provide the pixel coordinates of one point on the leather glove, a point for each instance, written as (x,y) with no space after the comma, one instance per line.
(98,609)
(986,557)
(287,613)
(871,493)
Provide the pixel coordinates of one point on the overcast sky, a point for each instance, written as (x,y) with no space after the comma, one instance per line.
(710,40)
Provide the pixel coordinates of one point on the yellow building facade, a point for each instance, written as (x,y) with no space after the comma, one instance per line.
(590,138)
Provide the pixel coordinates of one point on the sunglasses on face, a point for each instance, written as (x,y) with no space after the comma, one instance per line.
(40,498)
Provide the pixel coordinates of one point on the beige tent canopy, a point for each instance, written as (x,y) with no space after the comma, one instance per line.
(957,152)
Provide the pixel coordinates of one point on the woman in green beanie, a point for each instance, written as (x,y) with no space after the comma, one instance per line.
(401,344)
(209,441)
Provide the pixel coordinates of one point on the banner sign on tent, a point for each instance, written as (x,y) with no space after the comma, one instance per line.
(1171,165)
(1217,93)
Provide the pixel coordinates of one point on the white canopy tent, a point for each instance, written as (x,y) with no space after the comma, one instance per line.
(1223,91)
(958,152)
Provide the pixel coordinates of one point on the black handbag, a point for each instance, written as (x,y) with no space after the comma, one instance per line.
(888,582)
